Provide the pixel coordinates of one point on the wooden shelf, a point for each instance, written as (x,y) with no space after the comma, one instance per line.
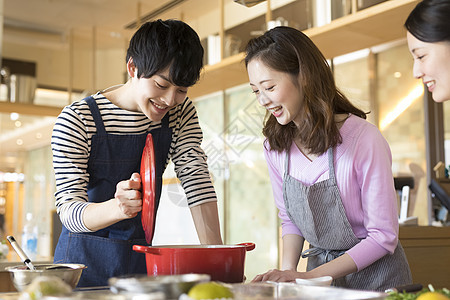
(30,109)
(372,26)
(225,74)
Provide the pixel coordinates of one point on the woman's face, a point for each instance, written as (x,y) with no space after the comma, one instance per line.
(432,65)
(276,92)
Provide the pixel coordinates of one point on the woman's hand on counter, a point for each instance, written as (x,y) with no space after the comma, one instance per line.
(278,276)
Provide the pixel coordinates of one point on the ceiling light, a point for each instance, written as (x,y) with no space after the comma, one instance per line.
(402,106)
(39,135)
(115,34)
(249,164)
(19,142)
(14,116)
(18,123)
(397,74)
(11,177)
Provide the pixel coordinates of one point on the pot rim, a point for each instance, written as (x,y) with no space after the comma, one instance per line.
(183,248)
(196,246)
(23,268)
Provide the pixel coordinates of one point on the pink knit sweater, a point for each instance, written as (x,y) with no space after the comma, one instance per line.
(364,177)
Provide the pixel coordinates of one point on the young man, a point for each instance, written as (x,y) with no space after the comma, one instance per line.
(97,146)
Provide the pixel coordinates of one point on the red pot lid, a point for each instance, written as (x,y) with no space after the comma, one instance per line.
(148,179)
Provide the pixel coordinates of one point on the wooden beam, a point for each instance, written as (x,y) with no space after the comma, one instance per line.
(30,109)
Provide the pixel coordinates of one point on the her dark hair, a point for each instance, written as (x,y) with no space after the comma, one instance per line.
(288,50)
(159,44)
(429,21)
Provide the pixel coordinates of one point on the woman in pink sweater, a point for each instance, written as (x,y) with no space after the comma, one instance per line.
(330,170)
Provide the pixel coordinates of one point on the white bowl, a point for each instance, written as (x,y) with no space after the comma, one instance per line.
(318,281)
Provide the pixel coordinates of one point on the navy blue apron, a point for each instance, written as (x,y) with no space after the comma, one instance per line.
(113,158)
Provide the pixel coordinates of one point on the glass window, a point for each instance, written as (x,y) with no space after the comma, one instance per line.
(402,122)
(396,109)
(351,73)
(233,143)
(252,215)
(210,112)
(173,204)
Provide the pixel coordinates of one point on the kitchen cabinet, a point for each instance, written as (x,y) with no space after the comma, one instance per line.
(428,251)
(373,26)
(369,27)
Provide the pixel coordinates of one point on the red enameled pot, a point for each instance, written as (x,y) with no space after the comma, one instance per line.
(223,263)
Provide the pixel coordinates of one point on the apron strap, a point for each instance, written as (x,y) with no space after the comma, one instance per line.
(332,174)
(96,115)
(165,121)
(286,164)
(328,255)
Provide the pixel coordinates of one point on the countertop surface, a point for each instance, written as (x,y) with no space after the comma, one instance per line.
(265,291)
(91,293)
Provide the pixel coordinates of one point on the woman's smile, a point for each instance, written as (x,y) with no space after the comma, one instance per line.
(276,111)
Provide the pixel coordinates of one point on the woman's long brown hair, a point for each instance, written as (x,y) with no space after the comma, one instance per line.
(288,50)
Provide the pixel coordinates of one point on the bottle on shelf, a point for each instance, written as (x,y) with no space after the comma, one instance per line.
(30,237)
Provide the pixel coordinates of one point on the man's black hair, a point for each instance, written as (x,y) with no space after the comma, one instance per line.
(160,44)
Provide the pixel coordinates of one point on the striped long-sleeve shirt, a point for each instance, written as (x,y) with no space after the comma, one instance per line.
(71,145)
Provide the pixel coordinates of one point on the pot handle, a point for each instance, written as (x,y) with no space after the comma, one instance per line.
(145,249)
(248,246)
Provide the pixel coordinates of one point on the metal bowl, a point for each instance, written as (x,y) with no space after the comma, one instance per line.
(171,285)
(22,276)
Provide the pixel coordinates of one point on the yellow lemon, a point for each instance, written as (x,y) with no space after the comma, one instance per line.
(209,290)
(432,296)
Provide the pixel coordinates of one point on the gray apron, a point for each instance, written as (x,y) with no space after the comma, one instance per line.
(318,212)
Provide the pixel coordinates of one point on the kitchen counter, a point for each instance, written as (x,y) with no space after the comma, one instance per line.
(100,294)
(427,249)
(265,291)
(91,294)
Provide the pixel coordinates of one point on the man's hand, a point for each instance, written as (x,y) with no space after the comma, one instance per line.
(128,196)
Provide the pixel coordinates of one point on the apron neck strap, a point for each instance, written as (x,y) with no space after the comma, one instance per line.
(96,115)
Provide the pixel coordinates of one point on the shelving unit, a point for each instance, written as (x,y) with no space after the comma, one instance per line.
(372,26)
(30,109)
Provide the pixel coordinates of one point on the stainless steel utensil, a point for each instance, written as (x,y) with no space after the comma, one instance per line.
(21,276)
(26,260)
(172,286)
(20,252)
